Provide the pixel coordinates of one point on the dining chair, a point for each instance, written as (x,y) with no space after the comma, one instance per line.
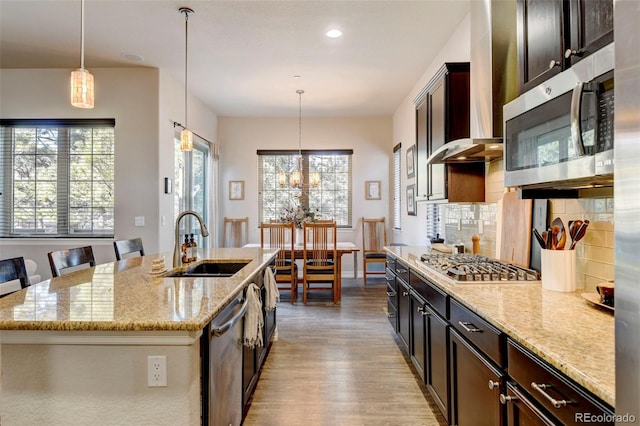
(319,259)
(235,232)
(374,238)
(281,236)
(69,258)
(124,247)
(13,276)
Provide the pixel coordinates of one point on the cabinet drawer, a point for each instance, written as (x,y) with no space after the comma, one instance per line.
(391,263)
(434,296)
(391,279)
(562,398)
(392,295)
(392,314)
(479,332)
(402,271)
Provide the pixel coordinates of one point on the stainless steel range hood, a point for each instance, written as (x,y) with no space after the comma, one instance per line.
(467,151)
(494,82)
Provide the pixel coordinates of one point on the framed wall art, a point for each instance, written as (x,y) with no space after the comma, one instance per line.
(411,200)
(372,190)
(236,190)
(411,162)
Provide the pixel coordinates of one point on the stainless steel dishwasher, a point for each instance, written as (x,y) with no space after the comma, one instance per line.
(225,365)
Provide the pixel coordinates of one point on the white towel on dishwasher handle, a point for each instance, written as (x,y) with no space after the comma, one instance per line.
(273,295)
(253,320)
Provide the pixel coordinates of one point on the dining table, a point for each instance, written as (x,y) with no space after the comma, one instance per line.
(341,248)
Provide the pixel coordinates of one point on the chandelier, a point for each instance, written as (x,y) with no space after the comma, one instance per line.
(296,178)
(186,135)
(82,90)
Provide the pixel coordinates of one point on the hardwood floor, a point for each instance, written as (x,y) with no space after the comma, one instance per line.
(339,365)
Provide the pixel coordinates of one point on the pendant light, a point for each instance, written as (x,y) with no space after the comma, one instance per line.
(296,180)
(186,136)
(82,90)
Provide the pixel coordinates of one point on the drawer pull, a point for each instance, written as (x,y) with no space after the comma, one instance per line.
(469,327)
(391,294)
(423,310)
(504,399)
(405,293)
(401,270)
(493,385)
(391,315)
(389,279)
(555,402)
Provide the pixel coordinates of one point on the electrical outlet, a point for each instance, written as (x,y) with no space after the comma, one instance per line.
(157,371)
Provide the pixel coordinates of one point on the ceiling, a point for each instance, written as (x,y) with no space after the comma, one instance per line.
(243,55)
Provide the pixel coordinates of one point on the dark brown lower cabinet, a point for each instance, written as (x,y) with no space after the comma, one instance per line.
(475,386)
(418,307)
(521,411)
(404,312)
(392,299)
(437,360)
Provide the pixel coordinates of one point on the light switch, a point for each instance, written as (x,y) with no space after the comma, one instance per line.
(139,221)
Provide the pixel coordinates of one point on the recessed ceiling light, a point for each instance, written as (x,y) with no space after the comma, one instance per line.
(132,57)
(297,77)
(335,33)
(494,146)
(462,157)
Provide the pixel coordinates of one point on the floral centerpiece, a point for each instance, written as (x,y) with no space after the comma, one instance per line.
(298,215)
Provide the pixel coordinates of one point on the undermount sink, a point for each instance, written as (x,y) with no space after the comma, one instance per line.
(211,269)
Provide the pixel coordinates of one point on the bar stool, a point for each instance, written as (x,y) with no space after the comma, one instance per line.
(64,259)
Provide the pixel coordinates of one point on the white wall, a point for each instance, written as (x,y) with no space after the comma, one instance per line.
(369,137)
(143,102)
(457,49)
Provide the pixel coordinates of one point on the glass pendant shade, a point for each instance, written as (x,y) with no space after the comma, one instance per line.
(295,179)
(282,178)
(82,91)
(186,140)
(314,179)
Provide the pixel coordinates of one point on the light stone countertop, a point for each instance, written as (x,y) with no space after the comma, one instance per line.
(124,296)
(563,329)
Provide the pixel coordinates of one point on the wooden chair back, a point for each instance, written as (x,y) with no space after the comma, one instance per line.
(63,259)
(124,247)
(374,238)
(13,275)
(319,257)
(235,232)
(282,236)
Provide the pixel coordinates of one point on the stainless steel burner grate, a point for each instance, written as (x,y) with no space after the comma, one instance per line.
(475,268)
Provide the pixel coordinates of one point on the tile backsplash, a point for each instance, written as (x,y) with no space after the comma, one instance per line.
(594,253)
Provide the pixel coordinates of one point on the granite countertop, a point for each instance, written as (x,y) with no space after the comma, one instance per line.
(563,329)
(124,296)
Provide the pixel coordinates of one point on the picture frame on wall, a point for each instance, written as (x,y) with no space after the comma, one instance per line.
(411,162)
(372,190)
(236,190)
(411,200)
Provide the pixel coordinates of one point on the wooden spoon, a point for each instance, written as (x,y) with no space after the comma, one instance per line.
(557,223)
(574,226)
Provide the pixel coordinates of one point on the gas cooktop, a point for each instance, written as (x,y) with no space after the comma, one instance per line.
(477,269)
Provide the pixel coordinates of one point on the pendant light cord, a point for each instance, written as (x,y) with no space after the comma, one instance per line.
(82,34)
(186,58)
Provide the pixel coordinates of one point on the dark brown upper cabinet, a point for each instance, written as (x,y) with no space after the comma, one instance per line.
(554,34)
(442,116)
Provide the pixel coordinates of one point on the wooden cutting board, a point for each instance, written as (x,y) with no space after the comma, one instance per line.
(514,230)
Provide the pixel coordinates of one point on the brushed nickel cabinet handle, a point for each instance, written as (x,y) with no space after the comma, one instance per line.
(493,385)
(504,399)
(554,64)
(469,327)
(555,402)
(391,294)
(405,293)
(401,270)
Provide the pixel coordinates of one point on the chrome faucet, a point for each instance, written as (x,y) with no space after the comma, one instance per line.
(176,248)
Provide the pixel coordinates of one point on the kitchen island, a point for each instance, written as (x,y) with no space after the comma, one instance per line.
(74,349)
(561,331)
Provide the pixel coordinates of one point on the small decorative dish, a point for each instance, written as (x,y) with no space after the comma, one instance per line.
(594,299)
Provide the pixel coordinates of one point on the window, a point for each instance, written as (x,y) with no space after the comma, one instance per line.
(397,180)
(190,184)
(331,198)
(57,178)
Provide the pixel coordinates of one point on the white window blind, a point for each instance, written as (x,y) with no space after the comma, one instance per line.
(397,193)
(57,178)
(330,199)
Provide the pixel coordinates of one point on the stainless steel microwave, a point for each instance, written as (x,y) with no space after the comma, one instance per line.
(560,133)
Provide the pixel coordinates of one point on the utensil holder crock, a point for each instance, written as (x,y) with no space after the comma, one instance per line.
(558,270)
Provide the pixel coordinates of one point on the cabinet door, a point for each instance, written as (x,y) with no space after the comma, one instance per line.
(540,41)
(418,334)
(523,412)
(422,151)
(591,27)
(475,386)
(437,134)
(404,314)
(437,360)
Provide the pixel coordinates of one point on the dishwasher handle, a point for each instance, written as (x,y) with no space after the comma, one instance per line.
(219,330)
